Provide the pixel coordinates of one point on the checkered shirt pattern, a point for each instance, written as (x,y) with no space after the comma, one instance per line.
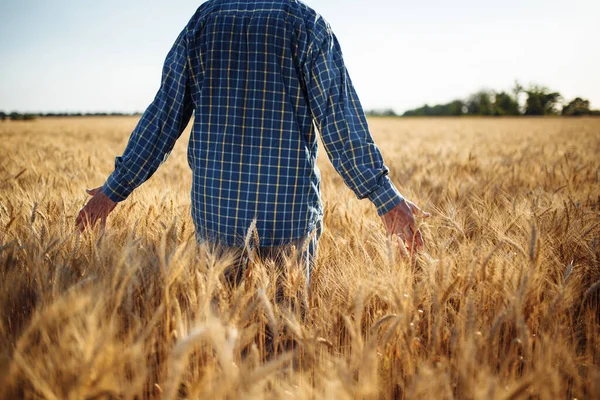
(261,78)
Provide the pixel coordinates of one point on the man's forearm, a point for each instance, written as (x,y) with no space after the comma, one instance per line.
(159,128)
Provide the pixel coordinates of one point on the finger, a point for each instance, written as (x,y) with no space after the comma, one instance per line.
(417,211)
(401,236)
(102,221)
(81,224)
(416,240)
(89,220)
(85,221)
(402,247)
(408,236)
(92,192)
(396,225)
(81,219)
(79,216)
(419,240)
(92,221)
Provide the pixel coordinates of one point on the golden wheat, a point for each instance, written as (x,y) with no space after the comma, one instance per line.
(502,304)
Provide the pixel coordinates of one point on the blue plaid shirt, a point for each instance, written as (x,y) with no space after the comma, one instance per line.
(257,75)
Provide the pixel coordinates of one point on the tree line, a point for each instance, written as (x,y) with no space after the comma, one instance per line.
(538,100)
(15,116)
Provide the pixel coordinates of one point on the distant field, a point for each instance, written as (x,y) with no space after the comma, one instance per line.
(503,304)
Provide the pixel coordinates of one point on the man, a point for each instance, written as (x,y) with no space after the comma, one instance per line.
(257,75)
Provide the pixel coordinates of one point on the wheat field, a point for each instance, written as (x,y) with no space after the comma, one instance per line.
(503,303)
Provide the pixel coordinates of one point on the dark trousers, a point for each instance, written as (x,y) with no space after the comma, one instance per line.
(304,250)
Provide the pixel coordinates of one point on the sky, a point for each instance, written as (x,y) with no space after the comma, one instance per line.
(106,56)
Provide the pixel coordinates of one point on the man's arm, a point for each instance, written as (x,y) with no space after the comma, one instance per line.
(343,126)
(151,141)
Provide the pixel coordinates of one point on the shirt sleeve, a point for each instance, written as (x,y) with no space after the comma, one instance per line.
(159,128)
(341,121)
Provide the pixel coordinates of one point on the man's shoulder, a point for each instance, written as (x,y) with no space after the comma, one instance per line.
(295,8)
(295,12)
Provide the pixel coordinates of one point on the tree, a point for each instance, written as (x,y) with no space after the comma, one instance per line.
(576,107)
(15,116)
(2,116)
(456,108)
(388,112)
(537,100)
(505,104)
(518,93)
(480,103)
(540,101)
(517,90)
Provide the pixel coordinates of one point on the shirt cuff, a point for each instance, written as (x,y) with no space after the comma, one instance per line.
(386,196)
(116,187)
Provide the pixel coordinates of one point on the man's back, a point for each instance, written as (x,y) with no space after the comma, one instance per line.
(253,147)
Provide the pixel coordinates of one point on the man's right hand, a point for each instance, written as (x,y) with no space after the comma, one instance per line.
(400,220)
(97,208)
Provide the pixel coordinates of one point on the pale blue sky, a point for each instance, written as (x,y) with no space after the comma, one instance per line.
(80,55)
